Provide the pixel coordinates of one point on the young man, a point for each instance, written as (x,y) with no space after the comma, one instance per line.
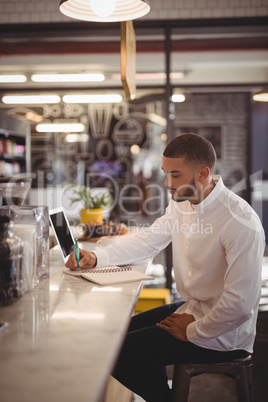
(218,244)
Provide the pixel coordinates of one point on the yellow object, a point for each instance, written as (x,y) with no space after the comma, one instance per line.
(151,298)
(91,215)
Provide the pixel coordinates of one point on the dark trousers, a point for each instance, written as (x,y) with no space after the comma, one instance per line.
(147,350)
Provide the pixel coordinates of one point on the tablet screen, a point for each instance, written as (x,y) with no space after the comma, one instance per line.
(62,232)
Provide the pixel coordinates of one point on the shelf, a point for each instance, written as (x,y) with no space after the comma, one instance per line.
(10,158)
(15,145)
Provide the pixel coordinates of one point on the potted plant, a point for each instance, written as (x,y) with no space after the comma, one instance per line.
(93,205)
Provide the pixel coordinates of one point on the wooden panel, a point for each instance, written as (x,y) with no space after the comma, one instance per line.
(128,58)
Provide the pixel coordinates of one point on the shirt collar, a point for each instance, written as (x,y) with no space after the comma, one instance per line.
(211,196)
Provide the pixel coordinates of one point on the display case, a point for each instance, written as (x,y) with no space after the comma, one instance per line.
(14,146)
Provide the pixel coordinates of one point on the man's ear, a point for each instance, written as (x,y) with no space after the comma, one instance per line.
(203,173)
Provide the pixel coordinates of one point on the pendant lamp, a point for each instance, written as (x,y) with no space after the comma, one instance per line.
(262,96)
(104,10)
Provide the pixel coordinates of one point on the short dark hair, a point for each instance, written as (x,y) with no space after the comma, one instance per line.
(196,150)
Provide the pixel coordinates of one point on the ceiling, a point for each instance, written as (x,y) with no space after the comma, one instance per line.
(211,53)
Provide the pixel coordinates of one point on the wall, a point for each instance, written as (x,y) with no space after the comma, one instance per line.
(33,11)
(259,160)
(223,119)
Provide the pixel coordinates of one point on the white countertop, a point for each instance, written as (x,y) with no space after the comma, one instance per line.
(63,337)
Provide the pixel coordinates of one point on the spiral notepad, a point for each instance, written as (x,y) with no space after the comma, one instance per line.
(110,275)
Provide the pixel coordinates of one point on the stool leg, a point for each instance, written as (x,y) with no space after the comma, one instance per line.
(181,383)
(244,384)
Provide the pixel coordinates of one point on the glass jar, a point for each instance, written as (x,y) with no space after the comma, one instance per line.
(11,248)
(31,224)
(14,190)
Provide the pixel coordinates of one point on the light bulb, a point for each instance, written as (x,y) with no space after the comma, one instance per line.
(103,8)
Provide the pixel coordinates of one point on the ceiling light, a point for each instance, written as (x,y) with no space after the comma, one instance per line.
(77,137)
(104,10)
(179,75)
(10,78)
(153,76)
(67,77)
(112,98)
(178,98)
(60,128)
(71,138)
(30,99)
(261,96)
(32,116)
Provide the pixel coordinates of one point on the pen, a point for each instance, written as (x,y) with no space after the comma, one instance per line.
(76,250)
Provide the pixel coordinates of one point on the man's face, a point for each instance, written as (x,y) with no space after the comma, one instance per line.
(180,180)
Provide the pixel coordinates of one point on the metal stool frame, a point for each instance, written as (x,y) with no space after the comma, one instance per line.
(240,370)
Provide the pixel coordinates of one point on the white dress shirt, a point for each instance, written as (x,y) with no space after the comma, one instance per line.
(218,248)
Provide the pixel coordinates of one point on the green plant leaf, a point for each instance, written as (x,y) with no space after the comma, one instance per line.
(84,194)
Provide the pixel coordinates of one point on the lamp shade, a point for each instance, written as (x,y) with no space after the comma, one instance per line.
(104,10)
(261,96)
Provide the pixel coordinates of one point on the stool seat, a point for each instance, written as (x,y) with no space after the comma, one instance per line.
(150,298)
(240,370)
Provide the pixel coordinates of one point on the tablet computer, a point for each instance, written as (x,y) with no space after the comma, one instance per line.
(62,231)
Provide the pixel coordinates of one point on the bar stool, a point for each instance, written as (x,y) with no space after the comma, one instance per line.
(240,370)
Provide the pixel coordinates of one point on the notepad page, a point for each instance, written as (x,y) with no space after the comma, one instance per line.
(109,278)
(110,275)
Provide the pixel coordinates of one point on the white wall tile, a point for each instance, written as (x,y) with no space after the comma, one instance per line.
(235,4)
(14,18)
(228,12)
(208,13)
(197,13)
(217,12)
(224,3)
(34,16)
(250,11)
(211,3)
(240,12)
(185,13)
(3,17)
(189,4)
(9,7)
(262,11)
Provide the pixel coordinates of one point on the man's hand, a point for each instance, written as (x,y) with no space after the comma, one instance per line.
(176,325)
(87,260)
